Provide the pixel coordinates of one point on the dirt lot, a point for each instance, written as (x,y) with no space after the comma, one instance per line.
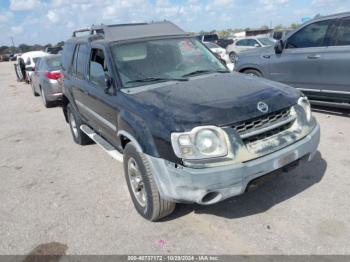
(74,199)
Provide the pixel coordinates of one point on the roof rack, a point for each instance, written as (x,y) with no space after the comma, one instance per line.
(87,29)
(131,31)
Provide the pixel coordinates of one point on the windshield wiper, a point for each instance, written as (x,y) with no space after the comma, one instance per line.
(199,72)
(155,79)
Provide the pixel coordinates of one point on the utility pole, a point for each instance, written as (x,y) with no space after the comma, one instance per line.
(13,45)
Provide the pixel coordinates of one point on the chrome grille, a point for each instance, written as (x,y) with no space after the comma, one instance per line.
(265,126)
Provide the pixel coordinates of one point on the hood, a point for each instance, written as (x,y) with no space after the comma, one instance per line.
(215,99)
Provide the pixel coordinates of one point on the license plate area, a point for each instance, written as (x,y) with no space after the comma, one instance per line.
(285,160)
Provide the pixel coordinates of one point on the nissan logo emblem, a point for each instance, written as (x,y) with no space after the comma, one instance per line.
(263,107)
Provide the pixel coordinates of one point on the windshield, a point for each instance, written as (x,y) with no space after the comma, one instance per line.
(266,41)
(150,61)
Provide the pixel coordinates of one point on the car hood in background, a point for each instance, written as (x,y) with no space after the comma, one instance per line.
(216,99)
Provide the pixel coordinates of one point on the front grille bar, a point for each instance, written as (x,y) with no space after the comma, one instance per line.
(259,131)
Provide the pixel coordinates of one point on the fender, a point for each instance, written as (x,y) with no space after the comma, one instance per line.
(135,129)
(68,99)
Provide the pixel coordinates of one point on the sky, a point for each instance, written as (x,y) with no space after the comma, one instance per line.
(51,21)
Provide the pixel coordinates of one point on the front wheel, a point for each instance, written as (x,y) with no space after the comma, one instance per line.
(252,72)
(142,187)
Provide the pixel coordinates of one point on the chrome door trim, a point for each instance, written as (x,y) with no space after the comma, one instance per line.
(96,115)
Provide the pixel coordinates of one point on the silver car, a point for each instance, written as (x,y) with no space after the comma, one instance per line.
(45,80)
(248,43)
(315,58)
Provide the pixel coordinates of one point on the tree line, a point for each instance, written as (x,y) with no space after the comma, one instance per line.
(22,48)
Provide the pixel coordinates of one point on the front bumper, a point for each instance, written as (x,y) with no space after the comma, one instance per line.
(211,185)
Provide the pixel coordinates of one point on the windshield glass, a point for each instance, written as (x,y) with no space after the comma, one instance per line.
(266,41)
(161,60)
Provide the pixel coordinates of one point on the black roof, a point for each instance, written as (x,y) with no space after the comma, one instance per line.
(122,32)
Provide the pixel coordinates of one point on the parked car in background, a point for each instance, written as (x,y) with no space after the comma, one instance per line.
(53,50)
(30,59)
(315,58)
(185,127)
(4,58)
(214,38)
(45,79)
(221,54)
(248,43)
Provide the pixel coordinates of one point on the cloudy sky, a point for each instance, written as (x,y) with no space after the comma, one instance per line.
(49,21)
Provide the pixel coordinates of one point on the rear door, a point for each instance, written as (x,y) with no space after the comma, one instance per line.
(300,64)
(79,79)
(337,62)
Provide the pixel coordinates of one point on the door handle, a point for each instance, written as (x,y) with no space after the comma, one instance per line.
(313,56)
(86,92)
(266,56)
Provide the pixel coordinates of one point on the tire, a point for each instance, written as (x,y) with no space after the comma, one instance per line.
(46,103)
(151,206)
(252,72)
(232,56)
(75,122)
(33,90)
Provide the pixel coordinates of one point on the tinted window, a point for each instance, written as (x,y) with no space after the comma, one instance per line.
(343,36)
(243,42)
(97,67)
(82,60)
(67,56)
(312,35)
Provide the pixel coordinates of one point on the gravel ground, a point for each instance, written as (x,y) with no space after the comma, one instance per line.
(61,196)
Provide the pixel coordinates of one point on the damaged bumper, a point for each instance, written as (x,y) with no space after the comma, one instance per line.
(213,184)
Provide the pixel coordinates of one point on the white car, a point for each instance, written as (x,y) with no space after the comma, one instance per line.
(30,59)
(247,43)
(221,52)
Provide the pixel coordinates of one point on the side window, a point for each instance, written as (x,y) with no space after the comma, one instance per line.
(241,42)
(28,61)
(343,35)
(82,61)
(97,68)
(252,42)
(67,55)
(312,35)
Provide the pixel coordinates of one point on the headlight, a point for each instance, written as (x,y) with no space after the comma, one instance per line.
(201,143)
(305,104)
(236,59)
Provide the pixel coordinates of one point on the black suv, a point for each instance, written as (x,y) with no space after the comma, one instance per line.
(186,128)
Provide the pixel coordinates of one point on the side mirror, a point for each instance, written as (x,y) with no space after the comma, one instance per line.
(279,47)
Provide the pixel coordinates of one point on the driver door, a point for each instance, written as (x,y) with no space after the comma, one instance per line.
(300,63)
